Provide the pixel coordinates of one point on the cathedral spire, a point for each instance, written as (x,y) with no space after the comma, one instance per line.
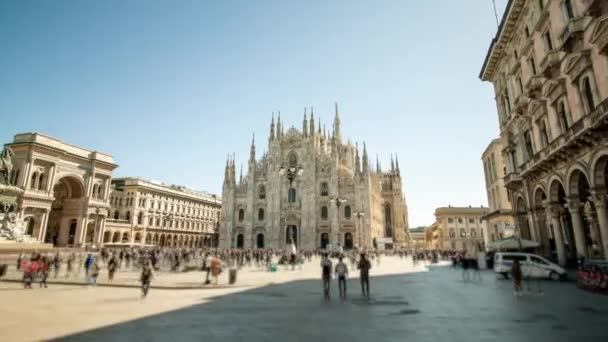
(226,174)
(378,166)
(337,136)
(305,125)
(271,138)
(392,164)
(241,176)
(365,165)
(320,128)
(252,152)
(279,126)
(357,160)
(397,164)
(312,123)
(232,171)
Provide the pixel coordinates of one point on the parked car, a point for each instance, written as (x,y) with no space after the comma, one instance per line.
(532,266)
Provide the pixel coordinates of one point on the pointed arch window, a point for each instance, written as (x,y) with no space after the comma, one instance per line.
(324,213)
(544,133)
(293,160)
(41,182)
(587,94)
(33,181)
(291,195)
(562,115)
(347,212)
(262,192)
(241,215)
(260,214)
(324,189)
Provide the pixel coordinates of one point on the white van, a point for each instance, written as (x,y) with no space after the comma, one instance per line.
(532,266)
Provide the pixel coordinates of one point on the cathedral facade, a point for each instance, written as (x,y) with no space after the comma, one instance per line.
(314,191)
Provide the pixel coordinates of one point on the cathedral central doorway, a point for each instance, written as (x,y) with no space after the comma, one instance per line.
(324,240)
(291,235)
(348,241)
(240,241)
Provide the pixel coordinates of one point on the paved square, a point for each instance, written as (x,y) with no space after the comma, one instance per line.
(423,306)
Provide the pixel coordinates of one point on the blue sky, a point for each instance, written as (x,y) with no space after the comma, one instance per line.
(190,81)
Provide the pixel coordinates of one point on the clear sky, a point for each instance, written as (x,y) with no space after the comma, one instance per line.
(169,88)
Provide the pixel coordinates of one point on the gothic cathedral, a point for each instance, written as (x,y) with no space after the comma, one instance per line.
(312,190)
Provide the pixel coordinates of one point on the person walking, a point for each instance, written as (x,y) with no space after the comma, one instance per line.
(93,270)
(326,274)
(57,264)
(70,264)
(87,264)
(341,272)
(207,267)
(112,265)
(516,275)
(364,267)
(146,278)
(216,269)
(43,271)
(29,269)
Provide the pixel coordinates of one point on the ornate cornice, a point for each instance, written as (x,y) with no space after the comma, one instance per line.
(506,31)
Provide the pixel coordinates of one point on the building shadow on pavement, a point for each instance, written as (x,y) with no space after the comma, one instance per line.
(430,306)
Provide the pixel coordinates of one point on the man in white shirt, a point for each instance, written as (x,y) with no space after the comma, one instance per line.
(341,272)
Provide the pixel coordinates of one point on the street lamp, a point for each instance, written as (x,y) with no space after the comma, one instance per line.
(359,215)
(291,172)
(337,201)
(97,228)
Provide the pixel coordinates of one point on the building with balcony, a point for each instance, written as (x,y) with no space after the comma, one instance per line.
(549,66)
(500,216)
(152,213)
(459,228)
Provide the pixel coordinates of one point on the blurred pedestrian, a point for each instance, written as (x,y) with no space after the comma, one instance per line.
(516,275)
(326,274)
(146,279)
(364,267)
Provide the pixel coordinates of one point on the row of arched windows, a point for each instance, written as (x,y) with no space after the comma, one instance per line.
(38,181)
(347,212)
(97,191)
(292,192)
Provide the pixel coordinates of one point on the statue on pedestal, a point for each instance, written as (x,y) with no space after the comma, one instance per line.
(11,228)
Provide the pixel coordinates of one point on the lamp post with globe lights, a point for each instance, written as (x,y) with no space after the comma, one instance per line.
(338,201)
(291,172)
(360,215)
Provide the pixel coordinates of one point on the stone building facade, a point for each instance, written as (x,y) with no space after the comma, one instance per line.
(549,67)
(500,216)
(152,213)
(314,190)
(65,201)
(459,228)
